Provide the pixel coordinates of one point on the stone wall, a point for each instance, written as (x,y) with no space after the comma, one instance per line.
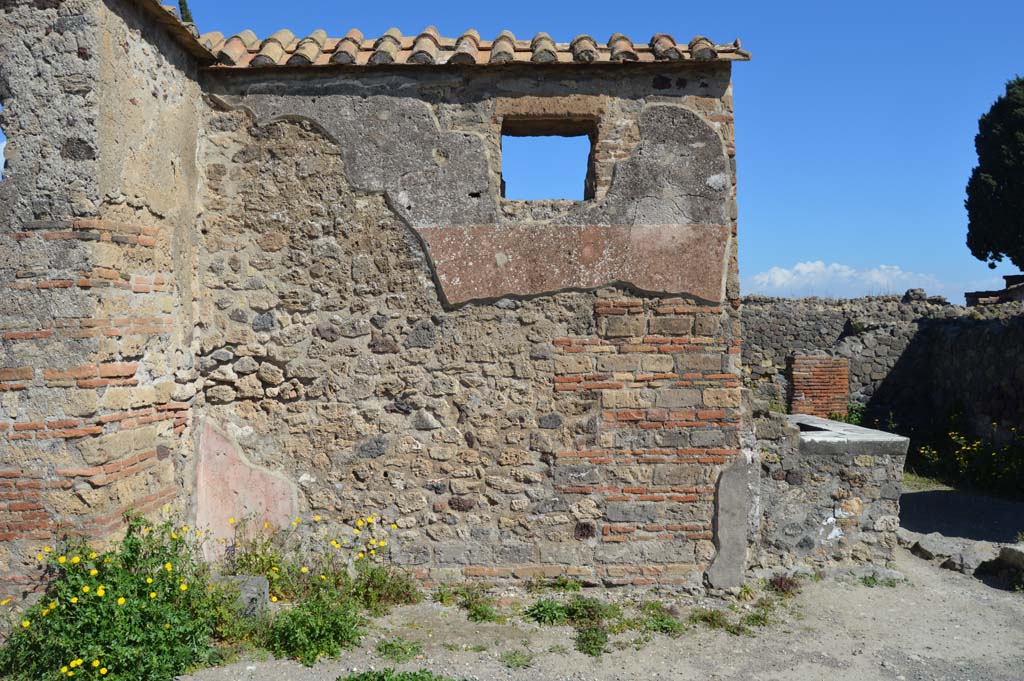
(249,293)
(98,204)
(827,493)
(563,431)
(913,360)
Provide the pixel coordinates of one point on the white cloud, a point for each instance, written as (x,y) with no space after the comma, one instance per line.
(836,280)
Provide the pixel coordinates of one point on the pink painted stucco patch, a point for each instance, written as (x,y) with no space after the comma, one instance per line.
(229,486)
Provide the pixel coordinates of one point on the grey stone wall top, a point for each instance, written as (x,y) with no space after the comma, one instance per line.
(824,436)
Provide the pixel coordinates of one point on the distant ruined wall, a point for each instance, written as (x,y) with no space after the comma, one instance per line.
(912,360)
(96,212)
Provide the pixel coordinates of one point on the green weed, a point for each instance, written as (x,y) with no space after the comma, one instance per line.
(315,627)
(392,675)
(547,611)
(716,619)
(516,659)
(656,618)
(399,650)
(479,606)
(592,639)
(561,583)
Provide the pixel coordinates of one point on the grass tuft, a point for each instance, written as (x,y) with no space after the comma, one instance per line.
(399,650)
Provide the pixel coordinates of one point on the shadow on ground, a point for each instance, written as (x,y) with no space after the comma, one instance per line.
(953,513)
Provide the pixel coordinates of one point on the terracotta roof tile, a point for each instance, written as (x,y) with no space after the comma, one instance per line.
(245,50)
(347,49)
(428,47)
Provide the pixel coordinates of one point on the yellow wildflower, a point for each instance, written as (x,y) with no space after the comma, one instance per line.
(6,601)
(316,518)
(149,580)
(101,592)
(75,560)
(152,594)
(360,555)
(304,569)
(394,526)
(120,600)
(74,599)
(273,599)
(95,663)
(168,567)
(85,589)
(231,521)
(369,519)
(381,543)
(103,671)
(92,555)
(93,572)
(355,530)
(47,549)
(25,624)
(360,523)
(184,587)
(62,560)
(39,557)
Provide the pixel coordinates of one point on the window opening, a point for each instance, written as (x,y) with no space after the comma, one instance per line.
(547,159)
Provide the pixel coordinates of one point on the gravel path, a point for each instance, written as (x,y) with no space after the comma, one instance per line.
(940,626)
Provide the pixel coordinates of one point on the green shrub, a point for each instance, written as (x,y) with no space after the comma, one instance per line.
(656,618)
(378,588)
(994,462)
(392,675)
(446,595)
(399,650)
(584,610)
(146,610)
(592,639)
(315,627)
(547,611)
(479,606)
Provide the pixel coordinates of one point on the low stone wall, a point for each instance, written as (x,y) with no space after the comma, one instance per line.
(828,493)
(913,360)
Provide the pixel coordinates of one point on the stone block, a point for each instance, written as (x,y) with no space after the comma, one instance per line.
(722,397)
(678,397)
(624,326)
(672,326)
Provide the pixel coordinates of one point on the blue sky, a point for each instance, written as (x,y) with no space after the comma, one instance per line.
(855,122)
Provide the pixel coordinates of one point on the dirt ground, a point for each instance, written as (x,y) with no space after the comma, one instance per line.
(938,626)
